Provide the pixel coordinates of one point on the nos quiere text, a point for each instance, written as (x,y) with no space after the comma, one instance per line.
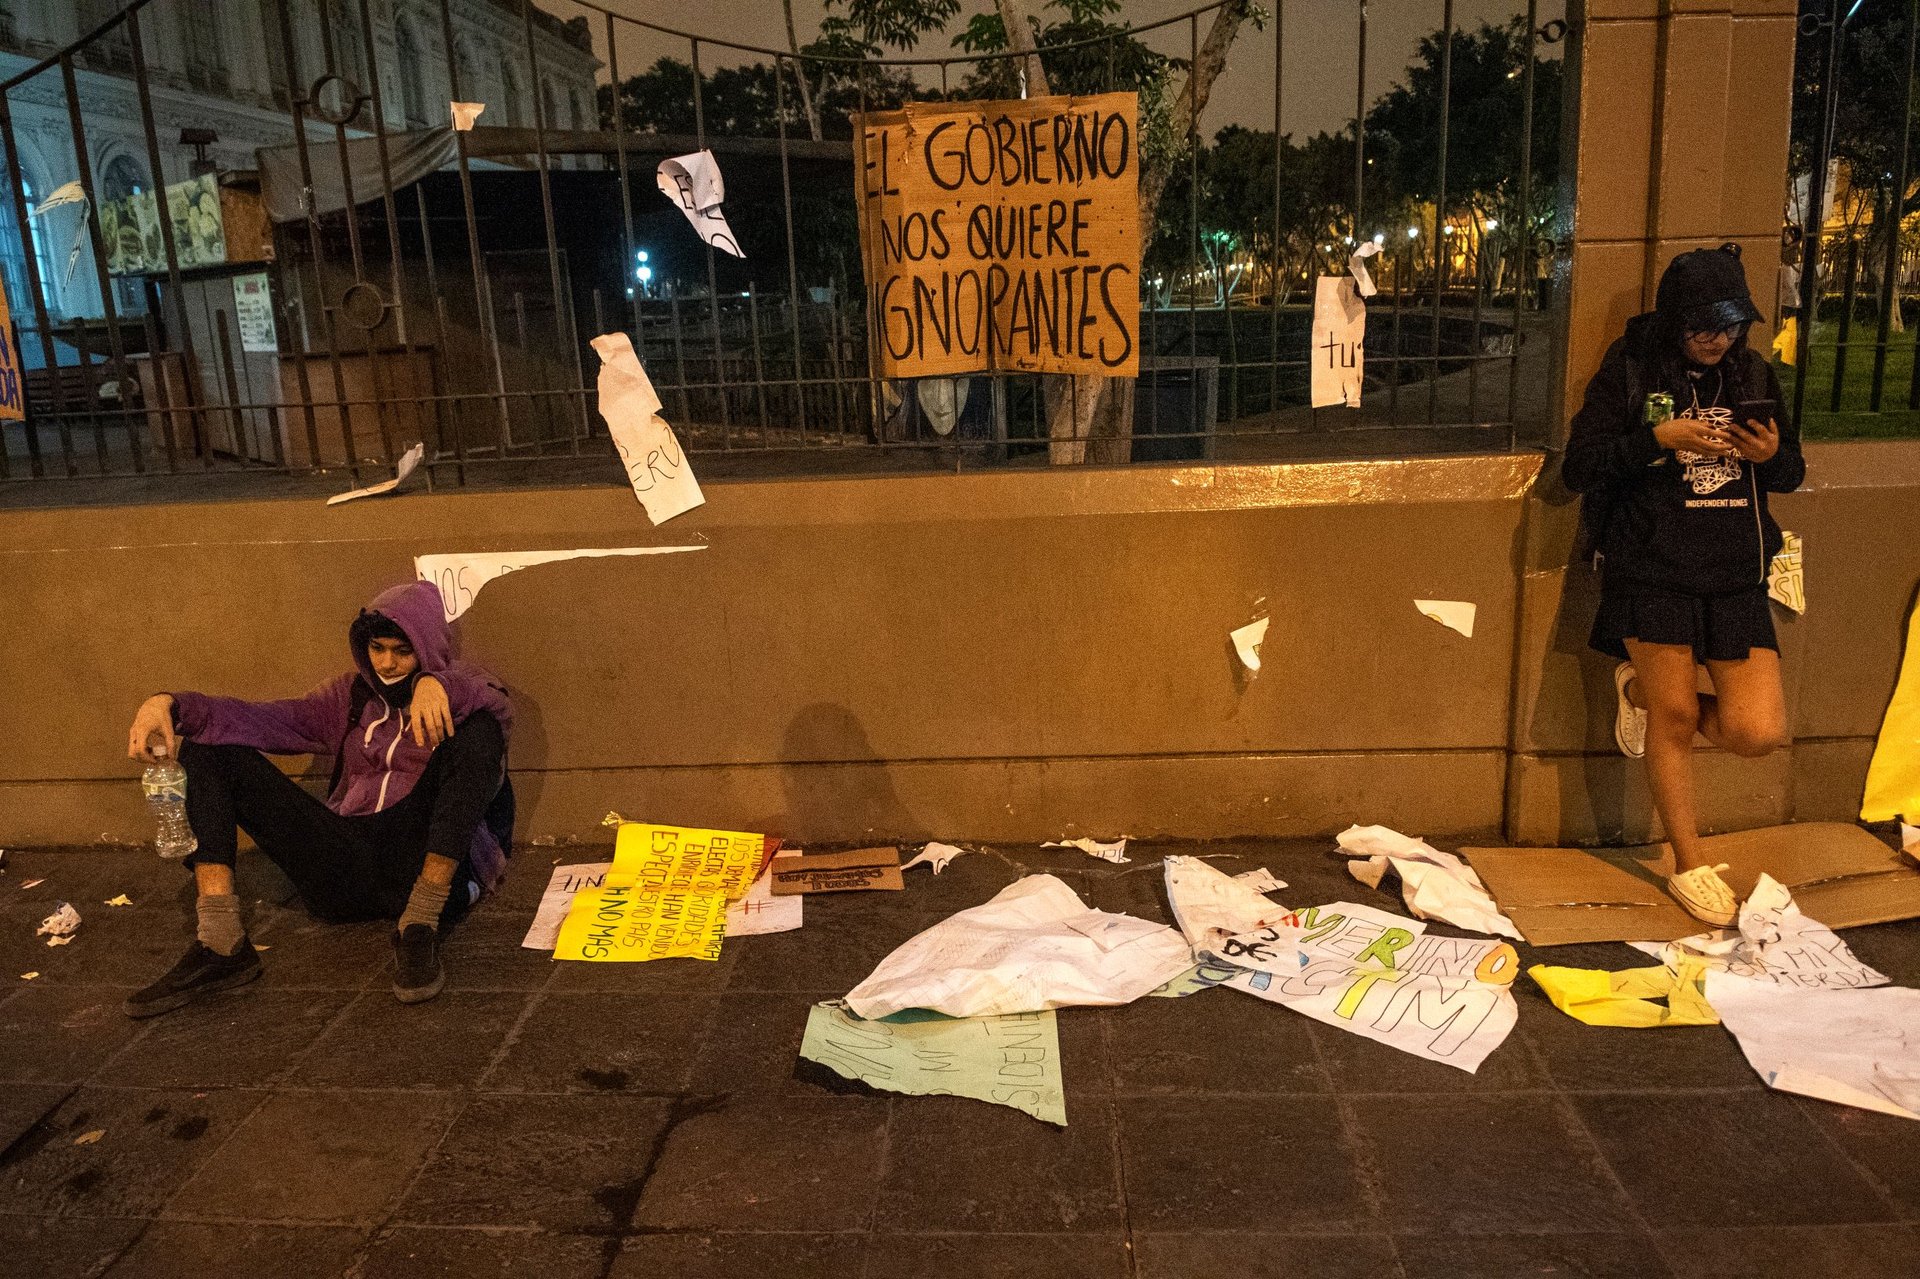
(987,306)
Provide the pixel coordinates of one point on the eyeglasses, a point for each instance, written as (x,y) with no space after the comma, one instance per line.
(1730,333)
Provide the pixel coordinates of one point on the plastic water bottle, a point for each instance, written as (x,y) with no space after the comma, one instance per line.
(166,786)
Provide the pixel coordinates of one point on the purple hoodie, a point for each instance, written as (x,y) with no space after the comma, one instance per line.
(380,762)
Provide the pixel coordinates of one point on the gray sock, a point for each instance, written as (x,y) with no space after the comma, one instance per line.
(220,928)
(424,905)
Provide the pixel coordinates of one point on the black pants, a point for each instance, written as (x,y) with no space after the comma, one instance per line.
(347,868)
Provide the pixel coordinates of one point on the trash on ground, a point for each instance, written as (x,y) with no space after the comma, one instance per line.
(1456,615)
(1010,1060)
(62,923)
(1115,852)
(408,462)
(1837,872)
(1211,907)
(89,1138)
(557,900)
(760,912)
(1601,998)
(1435,885)
(861,868)
(121,900)
(1773,941)
(1247,641)
(1035,945)
(29,976)
(1202,976)
(936,856)
(664,896)
(1855,1047)
(32,883)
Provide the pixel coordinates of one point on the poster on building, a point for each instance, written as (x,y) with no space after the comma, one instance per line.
(130,228)
(253,312)
(1003,236)
(13,405)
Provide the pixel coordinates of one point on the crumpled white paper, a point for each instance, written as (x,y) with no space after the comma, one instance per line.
(1357,267)
(1035,945)
(936,855)
(1773,941)
(1211,907)
(1855,1047)
(693,182)
(1115,852)
(1260,879)
(60,925)
(1435,885)
(655,463)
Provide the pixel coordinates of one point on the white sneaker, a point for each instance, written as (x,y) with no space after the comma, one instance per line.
(1704,895)
(1629,721)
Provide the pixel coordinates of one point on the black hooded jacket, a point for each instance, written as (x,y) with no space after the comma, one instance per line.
(1675,521)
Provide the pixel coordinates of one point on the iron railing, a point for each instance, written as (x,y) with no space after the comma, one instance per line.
(455,309)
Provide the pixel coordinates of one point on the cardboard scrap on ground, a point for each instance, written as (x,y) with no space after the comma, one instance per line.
(861,868)
(1837,873)
(1009,1060)
(664,895)
(1035,945)
(121,900)
(1115,851)
(1435,885)
(1893,775)
(1855,1047)
(1601,998)
(1773,941)
(936,855)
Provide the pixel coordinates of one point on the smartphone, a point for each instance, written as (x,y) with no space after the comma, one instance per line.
(1755,411)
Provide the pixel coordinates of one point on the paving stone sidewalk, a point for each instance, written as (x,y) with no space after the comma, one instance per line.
(558,1120)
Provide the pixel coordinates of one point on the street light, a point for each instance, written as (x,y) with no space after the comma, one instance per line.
(1413,233)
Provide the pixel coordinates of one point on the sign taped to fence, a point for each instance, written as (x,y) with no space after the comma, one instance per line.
(1003,235)
(1339,342)
(13,406)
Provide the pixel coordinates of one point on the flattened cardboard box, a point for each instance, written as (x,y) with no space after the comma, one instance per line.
(1837,873)
(838,872)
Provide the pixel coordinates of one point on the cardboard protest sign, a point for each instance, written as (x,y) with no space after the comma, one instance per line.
(13,405)
(1003,235)
(839,872)
(1339,342)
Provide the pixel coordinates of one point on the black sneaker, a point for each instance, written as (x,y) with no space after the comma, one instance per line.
(417,975)
(200,972)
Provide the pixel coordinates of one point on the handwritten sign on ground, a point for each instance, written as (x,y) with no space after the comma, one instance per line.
(1003,235)
(1010,1060)
(664,896)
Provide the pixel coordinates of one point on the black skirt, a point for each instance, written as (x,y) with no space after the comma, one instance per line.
(1719,628)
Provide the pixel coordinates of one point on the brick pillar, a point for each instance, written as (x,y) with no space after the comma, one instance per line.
(1677,115)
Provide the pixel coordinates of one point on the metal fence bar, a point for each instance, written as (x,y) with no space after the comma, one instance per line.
(91,219)
(1896,203)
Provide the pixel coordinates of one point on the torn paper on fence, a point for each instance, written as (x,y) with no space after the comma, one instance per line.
(1601,998)
(408,461)
(1210,907)
(1357,267)
(1435,885)
(1448,999)
(1455,615)
(1035,945)
(1773,942)
(1786,579)
(1247,641)
(1010,1060)
(693,182)
(464,114)
(1339,342)
(461,575)
(936,856)
(655,463)
(1855,1047)
(1115,852)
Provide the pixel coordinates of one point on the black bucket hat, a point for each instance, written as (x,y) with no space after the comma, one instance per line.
(1706,289)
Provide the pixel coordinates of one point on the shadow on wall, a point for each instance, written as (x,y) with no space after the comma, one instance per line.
(857,802)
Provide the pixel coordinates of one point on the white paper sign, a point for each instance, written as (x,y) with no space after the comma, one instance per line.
(1357,265)
(408,461)
(1453,614)
(693,182)
(655,463)
(1855,1047)
(1339,342)
(460,576)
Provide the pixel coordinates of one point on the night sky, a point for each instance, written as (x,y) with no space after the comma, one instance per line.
(1319,63)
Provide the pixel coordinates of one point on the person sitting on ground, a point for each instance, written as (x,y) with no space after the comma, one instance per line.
(1676,512)
(416,818)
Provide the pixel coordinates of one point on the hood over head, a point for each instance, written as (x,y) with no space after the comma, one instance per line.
(416,609)
(1706,289)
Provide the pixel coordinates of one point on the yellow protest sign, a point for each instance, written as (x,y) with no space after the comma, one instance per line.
(1003,235)
(1893,776)
(665,895)
(13,406)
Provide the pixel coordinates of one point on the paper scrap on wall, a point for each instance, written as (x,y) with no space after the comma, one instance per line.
(1772,941)
(1893,777)
(1247,641)
(1455,615)
(693,183)
(1786,579)
(1010,1060)
(1855,1047)
(655,463)
(408,461)
(461,575)
(1339,342)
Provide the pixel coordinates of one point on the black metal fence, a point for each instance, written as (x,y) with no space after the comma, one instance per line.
(342,299)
